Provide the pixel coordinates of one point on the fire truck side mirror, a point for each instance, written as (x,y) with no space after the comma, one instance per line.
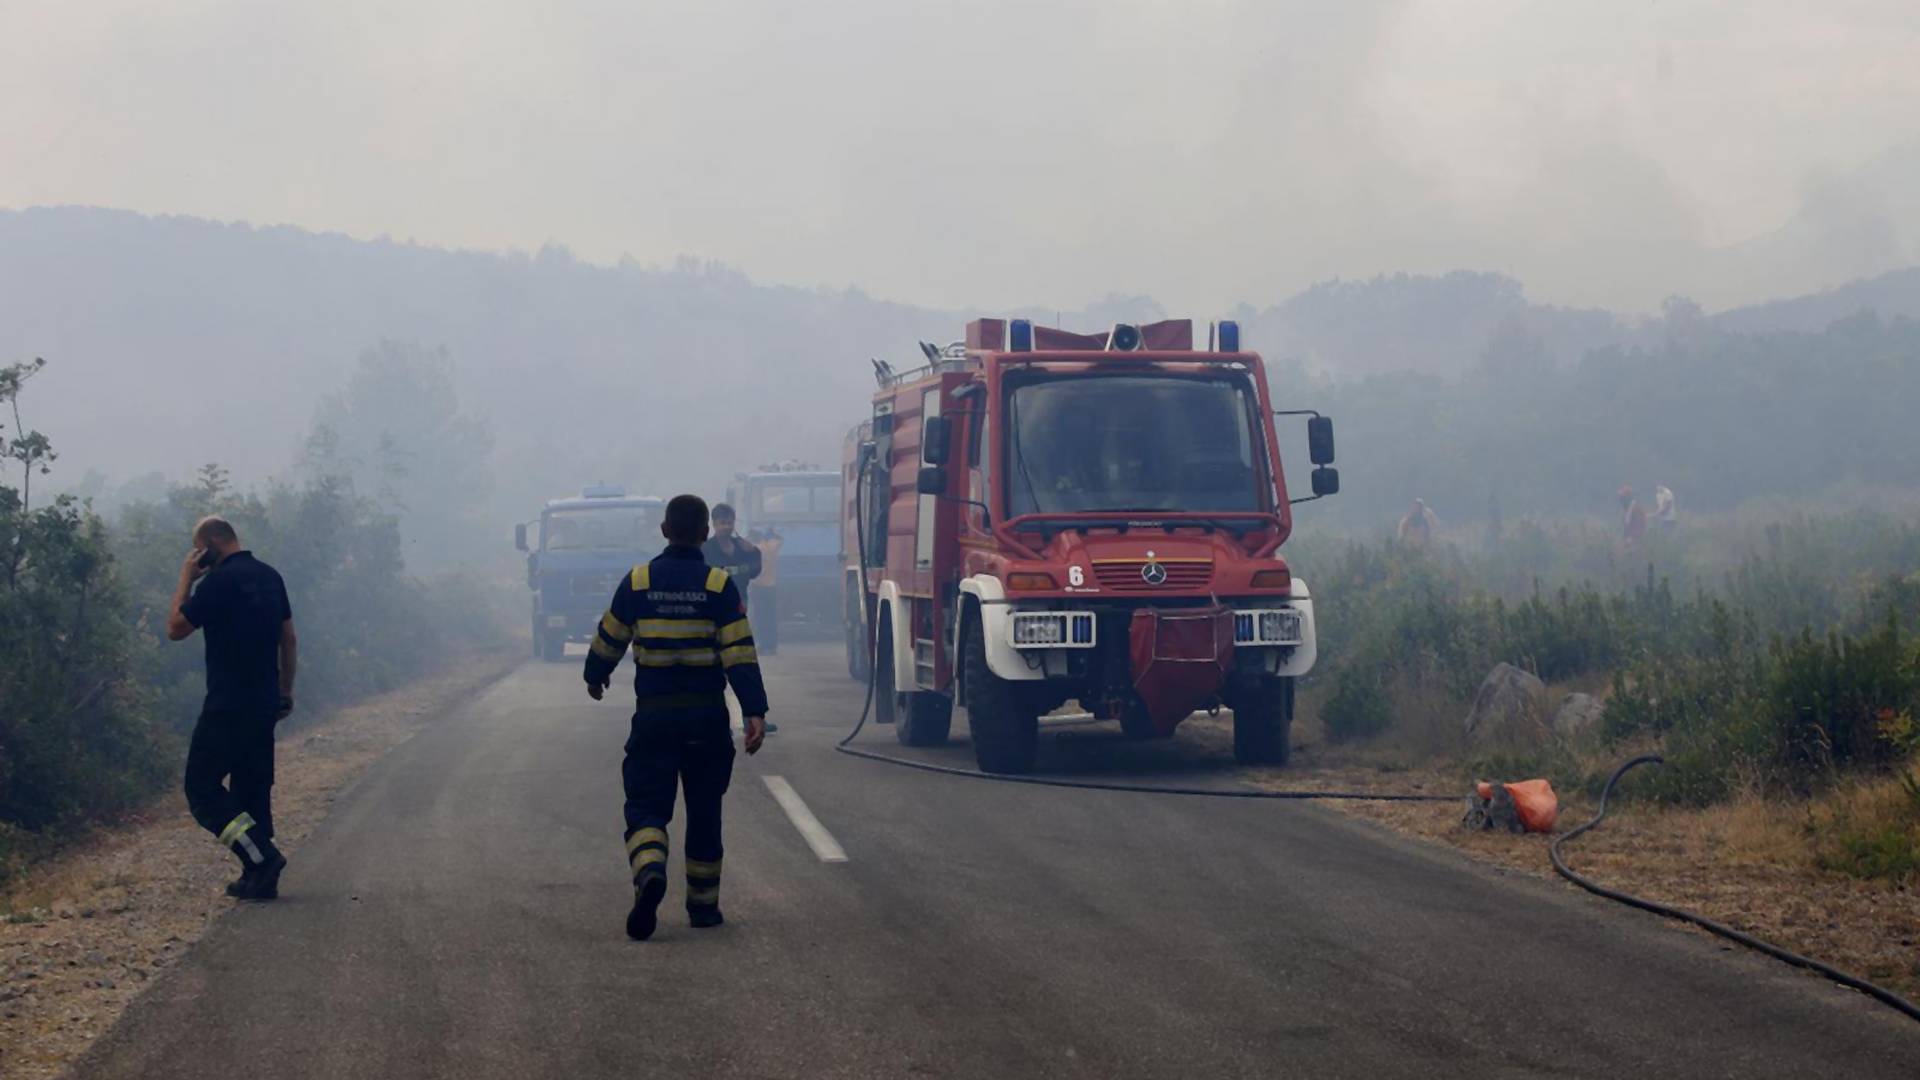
(936,440)
(520,537)
(1320,442)
(933,480)
(1325,482)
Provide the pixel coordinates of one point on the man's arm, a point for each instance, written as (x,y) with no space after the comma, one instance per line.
(741,663)
(181,621)
(749,560)
(610,640)
(289,658)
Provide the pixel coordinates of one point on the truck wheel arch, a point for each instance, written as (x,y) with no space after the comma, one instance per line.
(988,601)
(887,613)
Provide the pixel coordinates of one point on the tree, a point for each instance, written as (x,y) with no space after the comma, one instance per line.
(73,738)
(397,432)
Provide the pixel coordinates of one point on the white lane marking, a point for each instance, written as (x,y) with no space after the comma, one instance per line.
(815,834)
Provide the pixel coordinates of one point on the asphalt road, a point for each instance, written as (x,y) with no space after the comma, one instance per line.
(460,915)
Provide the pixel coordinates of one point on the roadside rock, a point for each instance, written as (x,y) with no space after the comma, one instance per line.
(1577,714)
(1508,704)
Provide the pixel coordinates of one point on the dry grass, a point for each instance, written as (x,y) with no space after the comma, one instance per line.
(82,934)
(1769,866)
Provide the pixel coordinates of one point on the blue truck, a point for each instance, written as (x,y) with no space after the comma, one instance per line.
(793,512)
(583,547)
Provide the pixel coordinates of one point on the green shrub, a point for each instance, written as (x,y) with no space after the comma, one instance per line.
(1358,709)
(1832,701)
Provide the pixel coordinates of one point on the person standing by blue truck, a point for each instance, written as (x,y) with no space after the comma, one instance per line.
(687,625)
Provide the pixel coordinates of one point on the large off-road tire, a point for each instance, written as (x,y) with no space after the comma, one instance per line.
(919,717)
(1006,729)
(538,637)
(925,718)
(553,647)
(1263,723)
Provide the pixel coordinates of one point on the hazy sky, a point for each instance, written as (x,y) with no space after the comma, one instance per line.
(991,153)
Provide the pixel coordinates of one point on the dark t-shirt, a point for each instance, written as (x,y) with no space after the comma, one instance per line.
(240,606)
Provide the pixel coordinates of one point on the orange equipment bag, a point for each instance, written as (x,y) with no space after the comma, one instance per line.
(1534,802)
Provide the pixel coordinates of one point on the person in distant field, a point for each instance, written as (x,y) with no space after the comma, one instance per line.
(1417,526)
(252,653)
(1665,510)
(687,623)
(1633,518)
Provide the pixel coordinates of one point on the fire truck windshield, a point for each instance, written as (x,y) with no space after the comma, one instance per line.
(1131,443)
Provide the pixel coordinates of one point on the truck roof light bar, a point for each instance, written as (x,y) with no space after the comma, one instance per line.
(1020,336)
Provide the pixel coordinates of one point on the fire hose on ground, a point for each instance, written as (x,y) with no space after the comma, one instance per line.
(1786,956)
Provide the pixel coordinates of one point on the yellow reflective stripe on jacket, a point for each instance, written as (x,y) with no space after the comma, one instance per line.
(675,657)
(605,651)
(673,628)
(716,580)
(738,654)
(697,868)
(648,835)
(614,628)
(642,574)
(734,631)
(236,828)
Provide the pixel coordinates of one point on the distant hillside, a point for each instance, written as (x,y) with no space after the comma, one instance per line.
(1890,295)
(1436,325)
(176,341)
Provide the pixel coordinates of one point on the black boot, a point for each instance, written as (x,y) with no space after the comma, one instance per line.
(647,894)
(260,860)
(703,918)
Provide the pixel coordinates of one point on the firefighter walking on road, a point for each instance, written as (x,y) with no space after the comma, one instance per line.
(252,653)
(687,624)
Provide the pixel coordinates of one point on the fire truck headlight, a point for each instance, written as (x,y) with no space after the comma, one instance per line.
(1042,629)
(1053,630)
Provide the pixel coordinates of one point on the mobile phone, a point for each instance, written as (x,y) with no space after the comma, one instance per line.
(206,559)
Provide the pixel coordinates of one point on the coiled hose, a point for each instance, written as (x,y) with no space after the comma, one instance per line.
(1786,956)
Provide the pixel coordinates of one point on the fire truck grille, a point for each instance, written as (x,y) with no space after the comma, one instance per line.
(1132,575)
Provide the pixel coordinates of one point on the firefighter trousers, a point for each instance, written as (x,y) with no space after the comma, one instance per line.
(230,769)
(683,745)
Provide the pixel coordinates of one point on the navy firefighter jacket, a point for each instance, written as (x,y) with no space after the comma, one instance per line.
(689,632)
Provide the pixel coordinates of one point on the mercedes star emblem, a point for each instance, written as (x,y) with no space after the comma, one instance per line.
(1153,574)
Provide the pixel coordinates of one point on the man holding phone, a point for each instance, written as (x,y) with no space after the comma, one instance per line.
(242,605)
(687,624)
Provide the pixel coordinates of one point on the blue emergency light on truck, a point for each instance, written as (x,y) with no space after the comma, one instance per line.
(581,549)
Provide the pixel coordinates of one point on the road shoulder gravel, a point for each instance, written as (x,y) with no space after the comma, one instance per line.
(83,934)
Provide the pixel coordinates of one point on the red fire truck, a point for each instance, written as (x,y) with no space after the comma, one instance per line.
(1036,516)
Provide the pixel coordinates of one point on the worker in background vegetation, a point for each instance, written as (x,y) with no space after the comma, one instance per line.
(1665,510)
(687,623)
(242,605)
(766,590)
(1633,518)
(1417,526)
